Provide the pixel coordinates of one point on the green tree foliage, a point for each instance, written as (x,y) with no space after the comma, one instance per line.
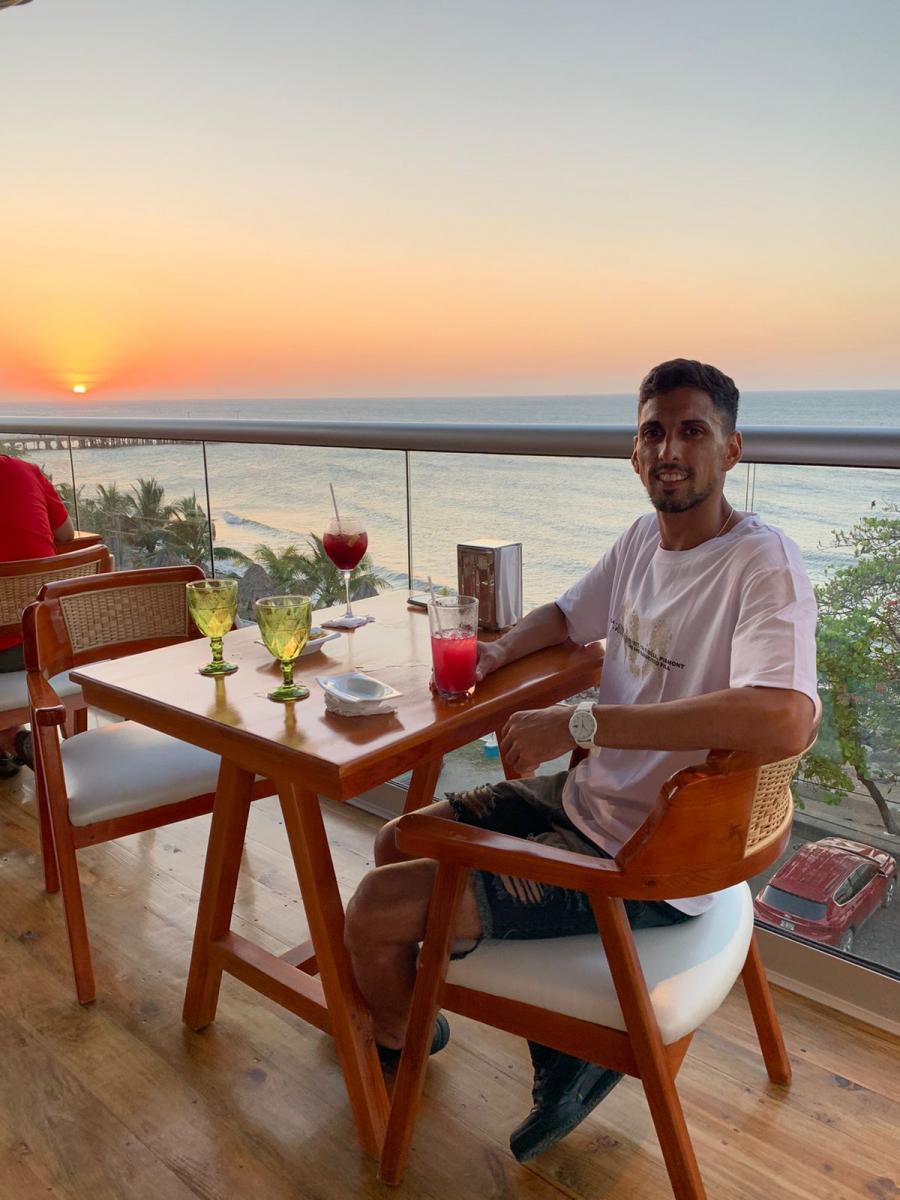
(326,583)
(139,527)
(310,572)
(186,534)
(858,645)
(150,516)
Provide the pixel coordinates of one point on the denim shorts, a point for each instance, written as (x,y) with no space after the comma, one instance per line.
(520,908)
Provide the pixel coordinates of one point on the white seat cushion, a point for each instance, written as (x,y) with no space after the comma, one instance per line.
(689,968)
(127,768)
(14,689)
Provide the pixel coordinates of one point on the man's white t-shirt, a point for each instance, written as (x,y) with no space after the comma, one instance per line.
(735,611)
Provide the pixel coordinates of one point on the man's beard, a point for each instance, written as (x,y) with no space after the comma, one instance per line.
(678,504)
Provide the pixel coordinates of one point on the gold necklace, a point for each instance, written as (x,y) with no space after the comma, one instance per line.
(715,535)
(727,519)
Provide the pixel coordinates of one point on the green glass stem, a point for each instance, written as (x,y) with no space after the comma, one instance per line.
(218,665)
(287,674)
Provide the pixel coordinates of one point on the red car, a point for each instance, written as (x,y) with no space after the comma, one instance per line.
(827,890)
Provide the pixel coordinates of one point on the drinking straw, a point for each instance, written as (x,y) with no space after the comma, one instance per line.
(337,515)
(437,607)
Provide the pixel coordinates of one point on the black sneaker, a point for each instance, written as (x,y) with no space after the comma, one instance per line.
(8,766)
(24,748)
(388,1056)
(565,1090)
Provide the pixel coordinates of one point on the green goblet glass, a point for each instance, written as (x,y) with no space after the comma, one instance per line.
(284,622)
(212,604)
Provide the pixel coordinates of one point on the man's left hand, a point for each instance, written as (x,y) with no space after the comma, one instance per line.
(535,736)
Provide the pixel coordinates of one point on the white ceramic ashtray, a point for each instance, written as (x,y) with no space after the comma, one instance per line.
(317,638)
(355,687)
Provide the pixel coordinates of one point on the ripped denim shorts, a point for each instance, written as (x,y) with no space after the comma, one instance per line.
(521,908)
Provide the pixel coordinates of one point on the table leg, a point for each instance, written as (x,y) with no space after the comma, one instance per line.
(346,1007)
(421,787)
(220,876)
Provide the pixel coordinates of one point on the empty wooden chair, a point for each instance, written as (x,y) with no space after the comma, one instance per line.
(626,1000)
(118,778)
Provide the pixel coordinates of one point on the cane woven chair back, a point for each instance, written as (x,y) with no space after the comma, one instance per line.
(21,581)
(773,803)
(81,621)
(714,825)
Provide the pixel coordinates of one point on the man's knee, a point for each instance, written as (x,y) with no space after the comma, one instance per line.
(389,905)
(386,846)
(386,850)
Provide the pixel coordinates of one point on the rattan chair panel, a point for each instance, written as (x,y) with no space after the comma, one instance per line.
(125,614)
(772,801)
(18,591)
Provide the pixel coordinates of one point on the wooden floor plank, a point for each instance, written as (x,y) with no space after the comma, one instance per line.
(121,1100)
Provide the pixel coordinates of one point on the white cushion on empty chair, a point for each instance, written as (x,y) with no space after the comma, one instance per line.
(689,968)
(117,770)
(14,689)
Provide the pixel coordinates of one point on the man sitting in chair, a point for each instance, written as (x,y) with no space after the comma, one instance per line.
(710,625)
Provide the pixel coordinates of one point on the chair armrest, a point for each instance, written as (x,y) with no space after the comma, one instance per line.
(464,845)
(47,706)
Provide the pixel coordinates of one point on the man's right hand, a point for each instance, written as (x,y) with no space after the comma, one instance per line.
(490,658)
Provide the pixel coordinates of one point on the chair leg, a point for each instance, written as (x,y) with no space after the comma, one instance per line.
(48,850)
(768,1030)
(433,960)
(649,1052)
(73,906)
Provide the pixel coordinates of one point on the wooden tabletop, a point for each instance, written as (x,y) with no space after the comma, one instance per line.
(338,756)
(80,541)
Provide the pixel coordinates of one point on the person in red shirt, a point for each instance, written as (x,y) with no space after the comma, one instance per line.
(33,520)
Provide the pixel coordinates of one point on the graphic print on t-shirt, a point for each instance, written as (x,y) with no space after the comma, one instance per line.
(644,655)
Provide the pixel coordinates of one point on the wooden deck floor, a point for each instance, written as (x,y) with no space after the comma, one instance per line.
(120,1102)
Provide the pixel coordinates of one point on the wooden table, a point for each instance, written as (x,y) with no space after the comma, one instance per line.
(80,541)
(309,752)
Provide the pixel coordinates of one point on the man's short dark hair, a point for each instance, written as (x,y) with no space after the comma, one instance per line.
(687,372)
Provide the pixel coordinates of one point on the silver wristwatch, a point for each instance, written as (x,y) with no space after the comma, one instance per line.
(583,726)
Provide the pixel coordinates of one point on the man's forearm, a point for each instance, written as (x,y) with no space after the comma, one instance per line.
(64,532)
(774,722)
(544,626)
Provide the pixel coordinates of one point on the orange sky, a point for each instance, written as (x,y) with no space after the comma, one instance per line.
(284,215)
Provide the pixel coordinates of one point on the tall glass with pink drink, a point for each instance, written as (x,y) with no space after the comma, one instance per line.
(453,621)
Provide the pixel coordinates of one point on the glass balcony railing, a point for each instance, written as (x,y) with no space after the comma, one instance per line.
(248,498)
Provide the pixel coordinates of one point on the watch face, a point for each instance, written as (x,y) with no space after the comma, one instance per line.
(582,726)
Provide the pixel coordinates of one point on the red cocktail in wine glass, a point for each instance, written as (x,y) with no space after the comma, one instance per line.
(345,542)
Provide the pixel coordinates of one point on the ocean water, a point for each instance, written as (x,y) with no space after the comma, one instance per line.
(564,511)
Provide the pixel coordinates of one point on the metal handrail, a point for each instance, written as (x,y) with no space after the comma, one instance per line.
(787,445)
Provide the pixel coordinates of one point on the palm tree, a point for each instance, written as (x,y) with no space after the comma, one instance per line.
(312,574)
(187,532)
(325,583)
(150,515)
(109,514)
(284,567)
(71,497)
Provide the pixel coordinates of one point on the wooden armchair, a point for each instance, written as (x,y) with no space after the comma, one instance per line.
(20,583)
(632,1000)
(119,778)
